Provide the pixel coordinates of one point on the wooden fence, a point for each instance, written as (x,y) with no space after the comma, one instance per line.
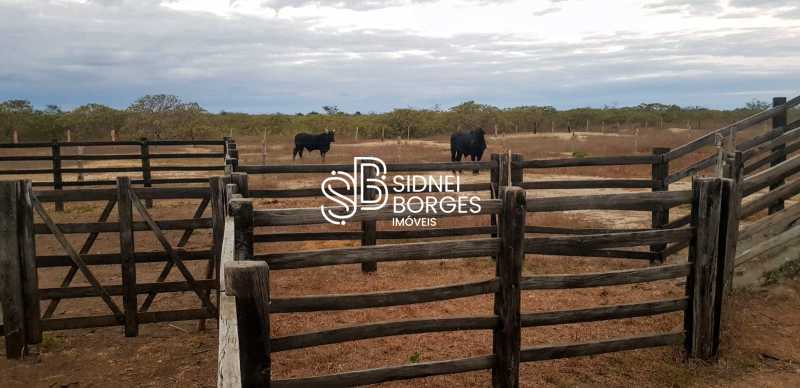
(108,151)
(25,217)
(246,304)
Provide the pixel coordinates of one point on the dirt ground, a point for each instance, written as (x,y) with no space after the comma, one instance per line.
(760,346)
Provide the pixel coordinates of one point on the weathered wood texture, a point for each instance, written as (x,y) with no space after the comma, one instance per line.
(11,297)
(248,281)
(611,278)
(381,375)
(28,271)
(603,313)
(541,353)
(229,374)
(778,121)
(704,285)
(126,249)
(507,300)
(660,214)
(369,228)
(382,253)
(382,299)
(383,329)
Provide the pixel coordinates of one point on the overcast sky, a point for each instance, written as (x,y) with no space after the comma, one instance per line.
(373,55)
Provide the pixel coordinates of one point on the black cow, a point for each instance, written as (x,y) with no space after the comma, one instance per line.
(321,142)
(470,144)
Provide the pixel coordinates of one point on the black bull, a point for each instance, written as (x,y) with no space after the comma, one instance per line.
(321,142)
(470,144)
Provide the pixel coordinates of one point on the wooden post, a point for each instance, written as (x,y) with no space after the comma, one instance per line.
(506,337)
(11,294)
(126,252)
(517,172)
(383,133)
(113,135)
(240,180)
(369,229)
(29,274)
(15,137)
(494,189)
(779,152)
(242,211)
(58,183)
(356,139)
(264,149)
(80,164)
(704,282)
(660,214)
(734,167)
(249,282)
(69,135)
(145,152)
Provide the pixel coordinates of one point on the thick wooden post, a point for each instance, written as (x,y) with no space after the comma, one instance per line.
(734,167)
(249,282)
(702,319)
(517,172)
(126,251)
(58,182)
(506,337)
(11,294)
(146,175)
(660,214)
(240,180)
(29,274)
(242,211)
(369,229)
(779,152)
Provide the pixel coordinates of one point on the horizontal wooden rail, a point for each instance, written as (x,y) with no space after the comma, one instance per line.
(612,278)
(710,138)
(317,192)
(28,171)
(768,159)
(604,313)
(110,227)
(115,258)
(604,253)
(110,143)
(381,375)
(382,329)
(790,189)
(559,230)
(114,290)
(771,175)
(783,139)
(588,184)
(110,320)
(583,162)
(541,353)
(381,299)
(306,216)
(609,240)
(391,167)
(693,169)
(381,235)
(382,253)
(633,201)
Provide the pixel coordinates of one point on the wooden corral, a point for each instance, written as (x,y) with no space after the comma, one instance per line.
(751,177)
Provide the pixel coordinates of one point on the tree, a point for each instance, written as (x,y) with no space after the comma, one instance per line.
(757,105)
(163,111)
(331,109)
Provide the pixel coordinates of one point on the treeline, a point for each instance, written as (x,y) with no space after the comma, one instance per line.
(166,116)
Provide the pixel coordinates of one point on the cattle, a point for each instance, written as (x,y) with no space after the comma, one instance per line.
(321,142)
(470,144)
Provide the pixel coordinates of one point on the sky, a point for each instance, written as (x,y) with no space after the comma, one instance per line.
(266,56)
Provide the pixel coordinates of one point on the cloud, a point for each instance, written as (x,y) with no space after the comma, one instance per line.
(546,11)
(70,54)
(692,7)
